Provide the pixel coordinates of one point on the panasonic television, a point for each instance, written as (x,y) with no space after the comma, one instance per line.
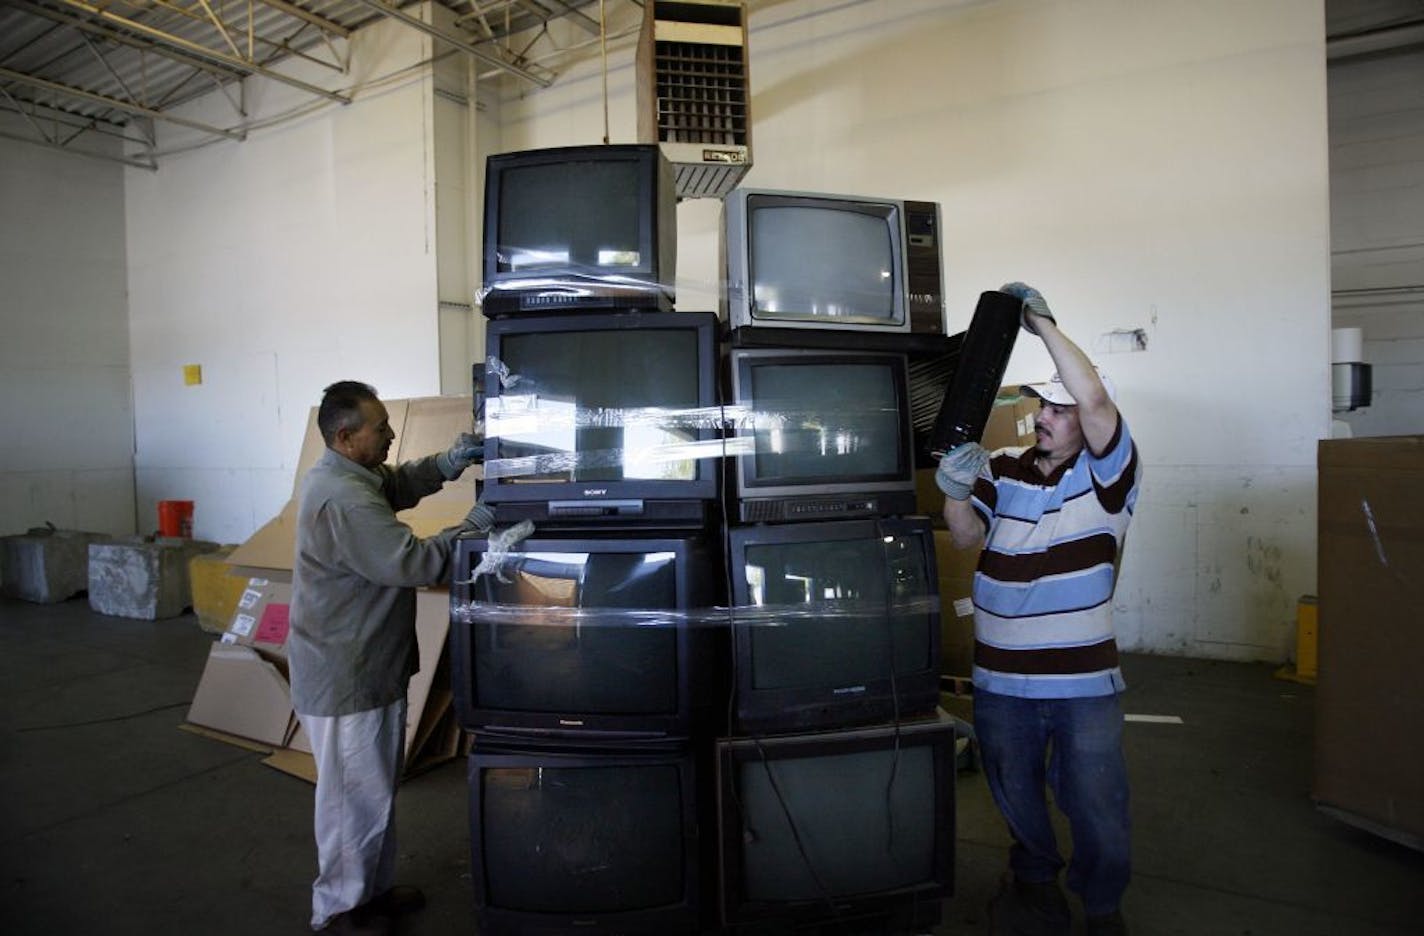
(821,261)
(566,841)
(837,825)
(579,227)
(836,623)
(602,419)
(819,434)
(591,639)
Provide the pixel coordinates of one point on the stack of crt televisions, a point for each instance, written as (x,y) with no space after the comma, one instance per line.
(703,691)
(835,782)
(587,657)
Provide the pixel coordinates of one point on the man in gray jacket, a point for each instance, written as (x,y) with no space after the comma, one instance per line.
(352,647)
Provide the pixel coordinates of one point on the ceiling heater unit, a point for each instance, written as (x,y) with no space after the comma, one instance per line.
(693,93)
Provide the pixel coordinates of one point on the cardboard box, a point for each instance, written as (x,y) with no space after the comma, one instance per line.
(956,605)
(260,617)
(423,426)
(244,694)
(1369,725)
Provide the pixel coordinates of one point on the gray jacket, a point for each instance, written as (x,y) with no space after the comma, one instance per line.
(352,642)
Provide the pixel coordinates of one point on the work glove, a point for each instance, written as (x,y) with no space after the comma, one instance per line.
(463,452)
(1033,304)
(959,469)
(480,519)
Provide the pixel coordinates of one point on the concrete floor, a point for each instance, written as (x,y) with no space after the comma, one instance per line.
(113,821)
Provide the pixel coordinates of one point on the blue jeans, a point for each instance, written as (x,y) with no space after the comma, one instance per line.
(1081,742)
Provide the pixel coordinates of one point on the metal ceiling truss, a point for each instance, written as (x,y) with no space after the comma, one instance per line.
(96,77)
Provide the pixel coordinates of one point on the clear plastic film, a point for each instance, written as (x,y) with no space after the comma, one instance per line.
(845,610)
(553,433)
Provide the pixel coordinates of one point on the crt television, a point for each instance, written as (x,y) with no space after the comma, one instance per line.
(820,261)
(820,434)
(574,841)
(592,639)
(836,825)
(602,419)
(579,227)
(837,623)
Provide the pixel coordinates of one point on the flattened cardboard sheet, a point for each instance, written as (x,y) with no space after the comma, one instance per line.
(240,693)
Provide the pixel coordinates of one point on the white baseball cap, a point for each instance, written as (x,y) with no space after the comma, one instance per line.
(1054,392)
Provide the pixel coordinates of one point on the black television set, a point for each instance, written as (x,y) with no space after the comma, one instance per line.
(837,825)
(807,260)
(835,623)
(579,227)
(593,639)
(591,842)
(602,419)
(820,434)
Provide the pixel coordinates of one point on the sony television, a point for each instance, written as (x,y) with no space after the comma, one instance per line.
(819,434)
(579,227)
(567,841)
(602,419)
(594,639)
(837,825)
(836,623)
(803,260)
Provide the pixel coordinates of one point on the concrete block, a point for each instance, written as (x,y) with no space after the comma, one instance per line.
(136,578)
(46,565)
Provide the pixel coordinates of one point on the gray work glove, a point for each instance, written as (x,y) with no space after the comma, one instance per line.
(463,452)
(960,468)
(1033,304)
(480,519)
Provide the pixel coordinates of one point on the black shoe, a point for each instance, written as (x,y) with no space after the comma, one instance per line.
(397,901)
(1111,924)
(357,922)
(1023,908)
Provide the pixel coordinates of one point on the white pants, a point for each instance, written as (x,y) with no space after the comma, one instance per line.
(358,764)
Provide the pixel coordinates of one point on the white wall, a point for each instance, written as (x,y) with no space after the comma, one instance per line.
(1156,165)
(64,358)
(1377,230)
(301,256)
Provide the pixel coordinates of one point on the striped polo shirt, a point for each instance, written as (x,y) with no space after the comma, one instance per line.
(1043,589)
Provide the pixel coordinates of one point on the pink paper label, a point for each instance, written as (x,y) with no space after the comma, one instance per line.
(273,627)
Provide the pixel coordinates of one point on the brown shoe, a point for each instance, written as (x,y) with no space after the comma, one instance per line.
(397,901)
(358,922)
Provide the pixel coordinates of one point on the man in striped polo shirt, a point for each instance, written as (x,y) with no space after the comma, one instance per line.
(1046,676)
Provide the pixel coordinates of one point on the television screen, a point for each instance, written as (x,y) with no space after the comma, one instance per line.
(579,227)
(588,638)
(838,624)
(590,417)
(812,263)
(833,262)
(587,842)
(830,435)
(836,824)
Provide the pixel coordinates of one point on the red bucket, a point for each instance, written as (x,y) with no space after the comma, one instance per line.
(175,518)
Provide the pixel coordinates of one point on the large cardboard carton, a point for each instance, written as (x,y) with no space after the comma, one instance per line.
(244,693)
(423,426)
(1369,724)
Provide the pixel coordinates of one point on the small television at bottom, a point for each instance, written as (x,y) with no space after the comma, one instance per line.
(591,842)
(836,825)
